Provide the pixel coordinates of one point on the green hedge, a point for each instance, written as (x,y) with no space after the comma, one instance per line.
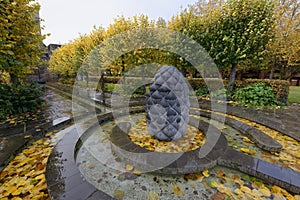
(214,83)
(279,87)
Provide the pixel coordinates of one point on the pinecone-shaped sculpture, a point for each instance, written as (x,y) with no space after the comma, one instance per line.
(168,105)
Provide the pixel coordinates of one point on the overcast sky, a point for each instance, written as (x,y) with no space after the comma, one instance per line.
(65,19)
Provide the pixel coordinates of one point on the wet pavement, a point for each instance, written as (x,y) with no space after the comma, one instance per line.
(28,127)
(60,107)
(64,180)
(284,120)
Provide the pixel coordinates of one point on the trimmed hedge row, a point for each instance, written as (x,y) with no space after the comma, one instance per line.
(280,87)
(214,83)
(195,83)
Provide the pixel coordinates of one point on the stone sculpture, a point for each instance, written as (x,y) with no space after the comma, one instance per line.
(168,105)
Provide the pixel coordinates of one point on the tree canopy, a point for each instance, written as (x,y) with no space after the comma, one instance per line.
(235,33)
(20,37)
(284,50)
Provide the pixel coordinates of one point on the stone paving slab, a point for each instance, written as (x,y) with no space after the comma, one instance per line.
(271,173)
(9,148)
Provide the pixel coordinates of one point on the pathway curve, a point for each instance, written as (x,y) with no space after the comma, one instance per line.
(14,138)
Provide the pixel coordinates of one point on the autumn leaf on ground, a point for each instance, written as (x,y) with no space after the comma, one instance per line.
(129,167)
(205,173)
(247,151)
(153,196)
(212,183)
(23,177)
(178,191)
(246,139)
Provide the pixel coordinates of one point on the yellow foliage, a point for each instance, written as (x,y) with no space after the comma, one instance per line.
(178,191)
(192,140)
(24,176)
(19,36)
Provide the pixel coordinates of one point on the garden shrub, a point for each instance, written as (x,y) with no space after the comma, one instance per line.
(279,87)
(257,94)
(21,98)
(221,94)
(202,91)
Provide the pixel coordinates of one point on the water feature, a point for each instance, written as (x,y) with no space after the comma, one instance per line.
(105,170)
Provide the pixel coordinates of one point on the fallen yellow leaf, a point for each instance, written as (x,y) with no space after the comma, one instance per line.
(42,176)
(153,196)
(246,139)
(238,192)
(18,191)
(265,191)
(225,190)
(137,172)
(90,165)
(212,183)
(205,173)
(247,151)
(178,191)
(129,167)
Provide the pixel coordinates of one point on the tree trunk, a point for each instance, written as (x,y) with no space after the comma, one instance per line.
(123,66)
(262,75)
(143,80)
(272,73)
(232,77)
(14,79)
(102,85)
(183,71)
(87,79)
(239,76)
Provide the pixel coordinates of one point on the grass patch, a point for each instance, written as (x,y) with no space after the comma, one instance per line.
(294,94)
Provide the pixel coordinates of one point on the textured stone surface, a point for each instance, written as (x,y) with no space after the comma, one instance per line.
(168,105)
(266,171)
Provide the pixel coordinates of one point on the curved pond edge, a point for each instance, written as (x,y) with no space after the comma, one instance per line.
(64,180)
(184,162)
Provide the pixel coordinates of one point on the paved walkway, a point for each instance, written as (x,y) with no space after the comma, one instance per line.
(285,120)
(14,137)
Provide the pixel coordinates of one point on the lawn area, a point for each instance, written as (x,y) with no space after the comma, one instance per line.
(294,95)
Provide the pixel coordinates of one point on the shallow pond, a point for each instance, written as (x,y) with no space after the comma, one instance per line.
(105,171)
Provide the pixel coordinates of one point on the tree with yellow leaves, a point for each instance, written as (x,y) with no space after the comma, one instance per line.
(20,37)
(284,50)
